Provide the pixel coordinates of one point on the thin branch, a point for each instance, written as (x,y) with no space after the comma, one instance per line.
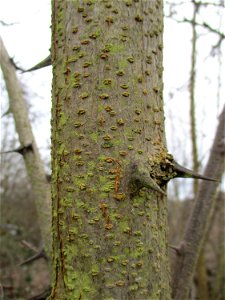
(195,161)
(36,256)
(210,3)
(196,2)
(205,25)
(38,253)
(29,246)
(3,23)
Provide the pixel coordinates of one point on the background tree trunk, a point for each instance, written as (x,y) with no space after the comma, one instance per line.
(201,275)
(108,144)
(198,224)
(28,148)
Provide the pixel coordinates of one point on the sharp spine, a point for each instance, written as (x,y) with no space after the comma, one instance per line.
(144,179)
(186,173)
(44,63)
(21,150)
(154,186)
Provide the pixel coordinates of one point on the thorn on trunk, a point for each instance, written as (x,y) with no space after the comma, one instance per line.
(15,65)
(36,256)
(48,177)
(44,63)
(21,150)
(142,178)
(186,173)
(176,249)
(6,113)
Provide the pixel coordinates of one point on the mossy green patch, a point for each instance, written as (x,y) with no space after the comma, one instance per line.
(62,119)
(101,108)
(122,64)
(72,58)
(91,165)
(66,202)
(94,136)
(61,149)
(102,157)
(107,187)
(117,48)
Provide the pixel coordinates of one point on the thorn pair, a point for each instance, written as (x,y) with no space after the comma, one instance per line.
(142,178)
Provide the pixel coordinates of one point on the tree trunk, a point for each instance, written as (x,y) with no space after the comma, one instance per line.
(28,148)
(108,148)
(198,224)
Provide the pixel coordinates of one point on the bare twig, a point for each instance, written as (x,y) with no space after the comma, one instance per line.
(197,2)
(29,246)
(36,256)
(210,4)
(3,23)
(195,162)
(204,25)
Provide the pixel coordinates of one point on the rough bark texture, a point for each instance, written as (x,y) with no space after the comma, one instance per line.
(199,221)
(28,149)
(109,225)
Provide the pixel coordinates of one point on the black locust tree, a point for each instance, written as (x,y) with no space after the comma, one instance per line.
(109,159)
(110,164)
